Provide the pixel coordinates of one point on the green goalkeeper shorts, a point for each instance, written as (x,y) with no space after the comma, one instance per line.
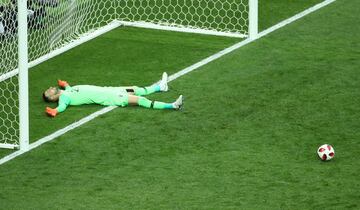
(120,99)
(114,96)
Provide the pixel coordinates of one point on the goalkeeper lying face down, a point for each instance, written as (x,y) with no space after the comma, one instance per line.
(107,96)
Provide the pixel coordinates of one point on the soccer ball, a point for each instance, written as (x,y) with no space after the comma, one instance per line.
(326,152)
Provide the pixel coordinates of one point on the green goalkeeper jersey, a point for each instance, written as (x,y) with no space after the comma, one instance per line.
(88,94)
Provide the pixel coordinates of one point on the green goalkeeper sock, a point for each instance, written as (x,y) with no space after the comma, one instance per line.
(146,90)
(144,102)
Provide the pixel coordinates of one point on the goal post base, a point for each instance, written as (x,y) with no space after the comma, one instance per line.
(179,28)
(9,146)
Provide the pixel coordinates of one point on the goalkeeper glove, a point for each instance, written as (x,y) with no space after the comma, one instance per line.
(62,83)
(51,112)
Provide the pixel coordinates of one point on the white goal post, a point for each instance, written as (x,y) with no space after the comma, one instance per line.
(33,31)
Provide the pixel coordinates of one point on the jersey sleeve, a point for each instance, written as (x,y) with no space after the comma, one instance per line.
(64,102)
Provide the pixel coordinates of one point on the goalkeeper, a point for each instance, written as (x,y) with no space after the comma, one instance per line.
(107,96)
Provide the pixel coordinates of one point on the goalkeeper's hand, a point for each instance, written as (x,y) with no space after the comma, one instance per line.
(62,83)
(51,112)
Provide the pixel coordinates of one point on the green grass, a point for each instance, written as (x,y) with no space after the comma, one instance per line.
(272,12)
(246,138)
(146,54)
(132,50)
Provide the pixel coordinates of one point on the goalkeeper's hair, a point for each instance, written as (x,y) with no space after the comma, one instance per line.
(46,99)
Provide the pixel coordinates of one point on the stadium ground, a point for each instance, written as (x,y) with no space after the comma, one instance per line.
(246,138)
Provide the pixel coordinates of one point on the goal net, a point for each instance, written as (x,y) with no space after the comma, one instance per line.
(218,17)
(9,126)
(54,26)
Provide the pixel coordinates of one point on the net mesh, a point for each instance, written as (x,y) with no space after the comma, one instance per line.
(53,24)
(9,127)
(216,15)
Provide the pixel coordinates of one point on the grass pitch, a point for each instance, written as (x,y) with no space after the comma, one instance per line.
(245,140)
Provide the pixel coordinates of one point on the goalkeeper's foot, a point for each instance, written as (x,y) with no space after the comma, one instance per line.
(178,103)
(163,83)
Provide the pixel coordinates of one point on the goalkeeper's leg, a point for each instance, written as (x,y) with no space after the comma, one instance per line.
(161,86)
(144,102)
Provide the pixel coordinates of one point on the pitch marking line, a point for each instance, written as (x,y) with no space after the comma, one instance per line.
(171,78)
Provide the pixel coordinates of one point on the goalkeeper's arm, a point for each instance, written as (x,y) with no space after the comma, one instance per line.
(63,104)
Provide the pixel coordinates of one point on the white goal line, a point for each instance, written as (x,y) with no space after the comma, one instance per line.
(171,78)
